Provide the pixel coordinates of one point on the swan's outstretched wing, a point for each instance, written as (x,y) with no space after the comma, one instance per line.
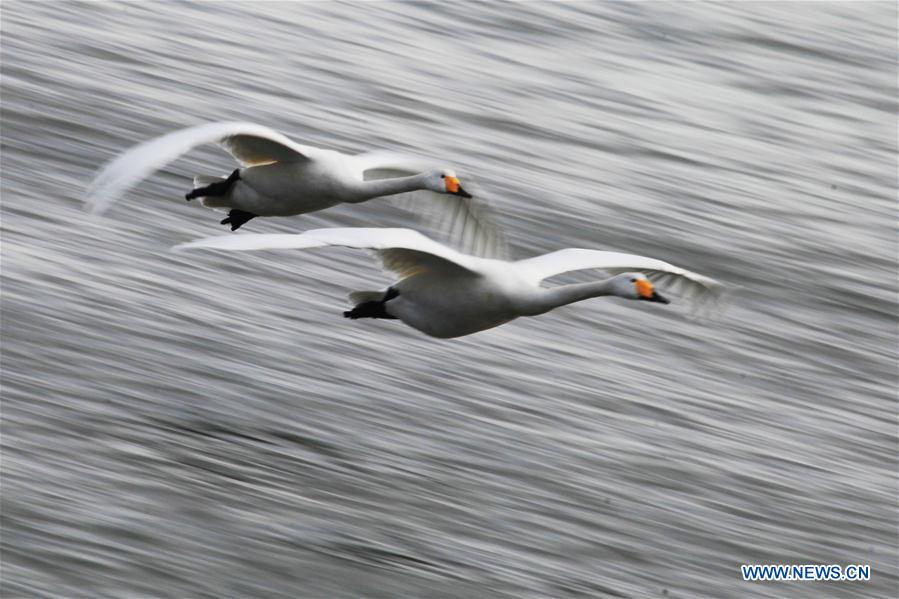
(467,223)
(690,286)
(402,251)
(249,144)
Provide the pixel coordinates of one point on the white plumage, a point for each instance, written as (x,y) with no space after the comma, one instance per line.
(279,177)
(445,293)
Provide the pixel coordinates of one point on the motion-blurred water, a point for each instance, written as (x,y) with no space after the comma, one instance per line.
(208,425)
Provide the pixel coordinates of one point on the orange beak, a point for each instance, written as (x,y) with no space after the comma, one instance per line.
(644,288)
(452,184)
(647,292)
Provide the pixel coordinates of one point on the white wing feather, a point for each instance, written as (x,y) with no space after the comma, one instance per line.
(695,288)
(248,143)
(467,223)
(402,251)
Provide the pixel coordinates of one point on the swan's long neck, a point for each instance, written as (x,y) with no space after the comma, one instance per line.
(388,187)
(548,299)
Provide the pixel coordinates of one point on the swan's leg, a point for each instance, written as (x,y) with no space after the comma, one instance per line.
(373,309)
(236,218)
(218,188)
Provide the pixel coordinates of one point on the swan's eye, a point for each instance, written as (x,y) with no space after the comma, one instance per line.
(443,176)
(633,280)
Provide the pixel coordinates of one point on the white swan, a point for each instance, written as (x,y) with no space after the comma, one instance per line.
(444,293)
(282,178)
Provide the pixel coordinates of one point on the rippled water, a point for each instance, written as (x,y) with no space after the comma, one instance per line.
(207,425)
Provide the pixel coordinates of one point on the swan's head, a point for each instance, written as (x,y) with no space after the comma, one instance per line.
(635,285)
(445,181)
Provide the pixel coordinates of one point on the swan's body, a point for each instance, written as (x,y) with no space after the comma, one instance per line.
(279,177)
(444,293)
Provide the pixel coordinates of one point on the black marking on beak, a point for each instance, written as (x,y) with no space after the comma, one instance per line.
(461,192)
(657,297)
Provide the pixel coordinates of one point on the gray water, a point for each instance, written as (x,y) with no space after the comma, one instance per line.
(208,425)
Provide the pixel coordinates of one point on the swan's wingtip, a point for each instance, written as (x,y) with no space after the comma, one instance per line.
(181,247)
(203,243)
(94,205)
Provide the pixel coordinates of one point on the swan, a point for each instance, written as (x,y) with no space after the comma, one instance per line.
(444,293)
(279,177)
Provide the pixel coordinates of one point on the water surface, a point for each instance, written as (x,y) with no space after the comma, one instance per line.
(207,425)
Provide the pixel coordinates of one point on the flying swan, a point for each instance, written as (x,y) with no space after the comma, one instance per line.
(444,293)
(279,177)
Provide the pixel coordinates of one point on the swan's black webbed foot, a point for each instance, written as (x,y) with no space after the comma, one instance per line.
(373,309)
(219,188)
(368,310)
(237,218)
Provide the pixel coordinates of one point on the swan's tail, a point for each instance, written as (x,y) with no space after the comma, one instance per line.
(212,201)
(204,180)
(360,297)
